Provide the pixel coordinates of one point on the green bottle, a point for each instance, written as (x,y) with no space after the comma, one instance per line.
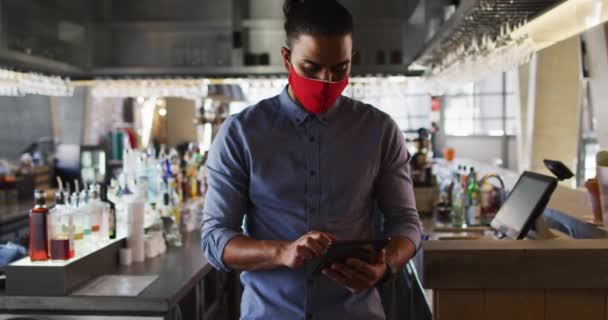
(474,214)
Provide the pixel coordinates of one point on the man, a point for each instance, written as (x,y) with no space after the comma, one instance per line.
(303,169)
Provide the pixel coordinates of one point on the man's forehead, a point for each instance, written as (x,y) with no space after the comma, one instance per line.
(325,50)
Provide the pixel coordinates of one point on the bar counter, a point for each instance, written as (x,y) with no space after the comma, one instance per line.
(178,292)
(555,279)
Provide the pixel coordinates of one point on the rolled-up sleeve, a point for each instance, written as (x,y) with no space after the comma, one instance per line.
(394,190)
(227,192)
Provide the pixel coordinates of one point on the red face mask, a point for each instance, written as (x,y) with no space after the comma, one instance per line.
(316,96)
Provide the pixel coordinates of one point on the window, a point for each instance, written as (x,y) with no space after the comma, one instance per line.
(404,100)
(486,108)
(588,144)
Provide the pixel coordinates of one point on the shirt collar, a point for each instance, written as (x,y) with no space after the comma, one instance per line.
(298,115)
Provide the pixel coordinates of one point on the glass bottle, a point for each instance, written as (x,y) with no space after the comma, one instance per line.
(39,240)
(474,199)
(111,212)
(457,203)
(85,211)
(95,208)
(61,230)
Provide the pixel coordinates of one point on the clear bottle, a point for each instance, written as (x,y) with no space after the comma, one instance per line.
(458,206)
(61,230)
(39,240)
(111,210)
(173,235)
(96,208)
(80,224)
(83,205)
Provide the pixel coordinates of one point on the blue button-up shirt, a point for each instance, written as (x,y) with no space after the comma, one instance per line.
(276,172)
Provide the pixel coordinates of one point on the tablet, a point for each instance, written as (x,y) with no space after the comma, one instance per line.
(524,205)
(340,251)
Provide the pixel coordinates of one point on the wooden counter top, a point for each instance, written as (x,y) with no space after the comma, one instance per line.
(510,264)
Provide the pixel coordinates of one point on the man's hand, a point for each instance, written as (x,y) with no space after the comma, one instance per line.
(357,275)
(307,247)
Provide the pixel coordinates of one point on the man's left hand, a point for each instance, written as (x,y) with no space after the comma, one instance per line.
(357,275)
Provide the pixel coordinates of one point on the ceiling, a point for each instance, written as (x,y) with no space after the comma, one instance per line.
(146,38)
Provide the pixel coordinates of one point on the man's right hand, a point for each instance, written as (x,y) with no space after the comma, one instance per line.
(305,248)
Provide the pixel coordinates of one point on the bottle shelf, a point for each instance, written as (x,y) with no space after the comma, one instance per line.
(60,277)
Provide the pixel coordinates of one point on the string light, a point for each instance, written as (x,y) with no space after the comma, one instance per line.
(13,83)
(180,88)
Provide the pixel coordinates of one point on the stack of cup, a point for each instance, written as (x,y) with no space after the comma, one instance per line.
(135,238)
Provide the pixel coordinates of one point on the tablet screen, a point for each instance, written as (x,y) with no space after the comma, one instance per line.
(524,204)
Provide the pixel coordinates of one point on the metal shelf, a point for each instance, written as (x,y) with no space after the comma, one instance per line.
(233,71)
(474,18)
(29,62)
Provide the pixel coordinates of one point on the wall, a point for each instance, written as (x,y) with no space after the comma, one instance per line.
(68,117)
(484,149)
(180,125)
(598,69)
(23,120)
(556,123)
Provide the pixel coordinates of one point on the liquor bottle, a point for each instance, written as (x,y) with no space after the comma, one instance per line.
(458,205)
(79,221)
(83,205)
(39,240)
(96,211)
(474,199)
(111,212)
(173,235)
(61,229)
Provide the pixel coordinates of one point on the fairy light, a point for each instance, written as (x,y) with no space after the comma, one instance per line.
(13,83)
(179,88)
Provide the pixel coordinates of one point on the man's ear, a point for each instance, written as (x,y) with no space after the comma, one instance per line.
(286,55)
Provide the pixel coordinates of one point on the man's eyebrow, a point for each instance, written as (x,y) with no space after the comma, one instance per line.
(336,65)
(313,63)
(342,63)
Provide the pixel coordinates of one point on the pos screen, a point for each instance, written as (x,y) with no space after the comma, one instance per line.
(525,204)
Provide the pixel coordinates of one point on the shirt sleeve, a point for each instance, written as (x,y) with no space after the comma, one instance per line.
(395,190)
(227,192)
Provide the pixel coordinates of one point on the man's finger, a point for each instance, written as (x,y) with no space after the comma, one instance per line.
(337,277)
(304,253)
(329,236)
(323,239)
(313,245)
(351,273)
(340,279)
(382,257)
(362,267)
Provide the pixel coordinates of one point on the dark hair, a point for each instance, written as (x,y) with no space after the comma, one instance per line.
(316,17)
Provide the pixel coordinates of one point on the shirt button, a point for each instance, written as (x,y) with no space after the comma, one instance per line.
(312,173)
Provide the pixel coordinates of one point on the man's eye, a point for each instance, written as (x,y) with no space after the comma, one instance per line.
(312,68)
(341,68)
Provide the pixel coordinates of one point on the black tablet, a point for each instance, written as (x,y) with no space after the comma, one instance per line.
(524,205)
(340,251)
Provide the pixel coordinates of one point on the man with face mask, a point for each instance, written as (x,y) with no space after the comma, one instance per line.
(293,173)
